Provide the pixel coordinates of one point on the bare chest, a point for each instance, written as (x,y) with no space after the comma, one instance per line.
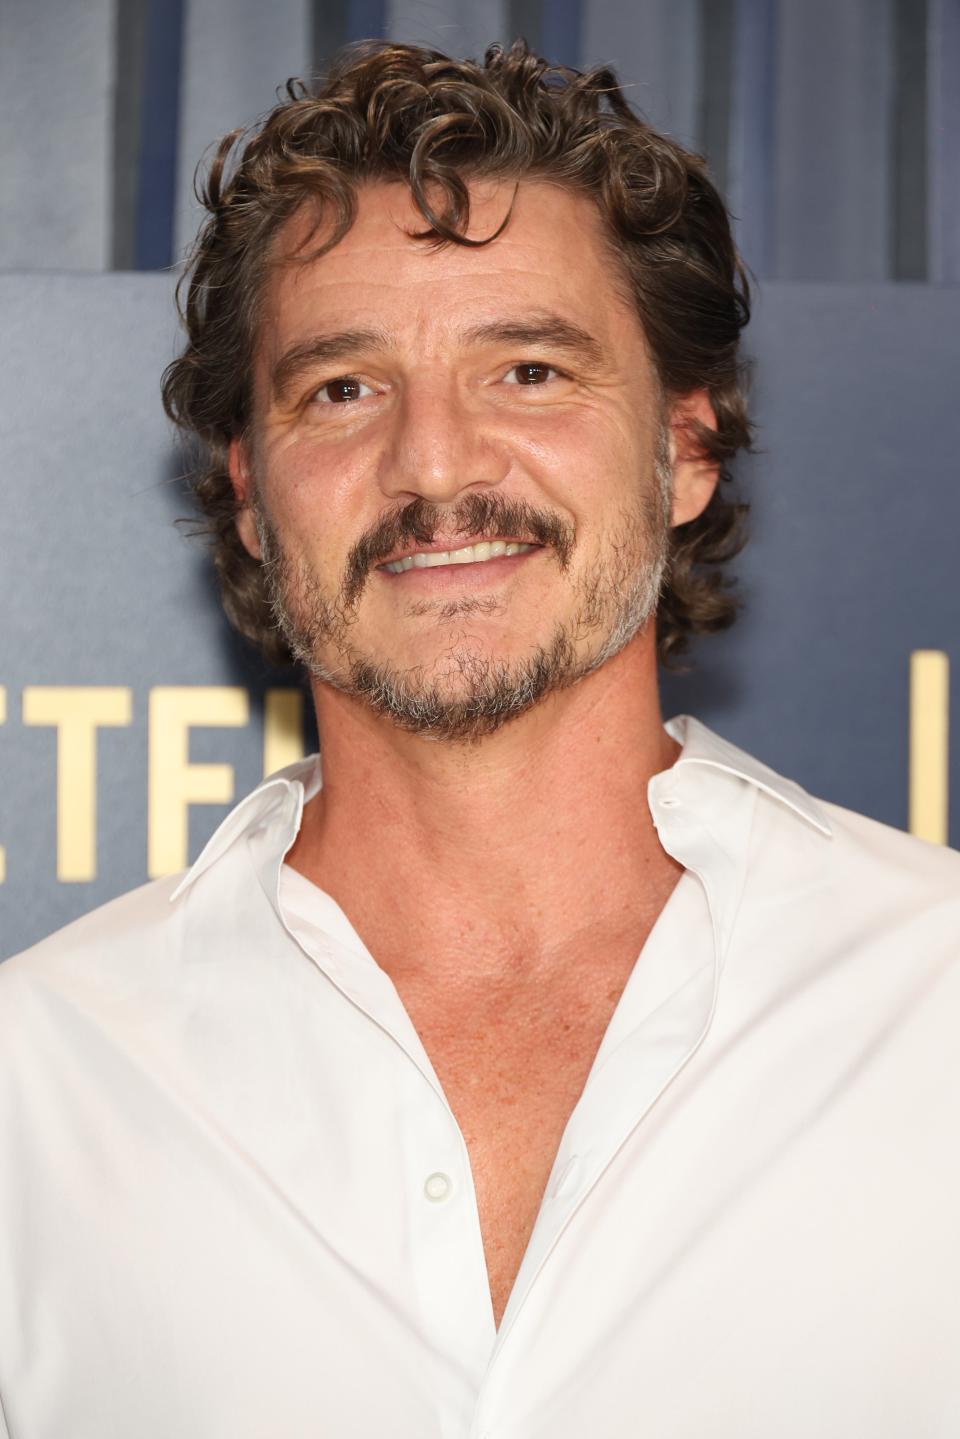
(512,1074)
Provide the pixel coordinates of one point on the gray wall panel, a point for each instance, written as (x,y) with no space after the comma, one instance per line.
(56,134)
(236,53)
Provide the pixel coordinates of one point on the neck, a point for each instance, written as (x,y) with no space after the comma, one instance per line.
(514,846)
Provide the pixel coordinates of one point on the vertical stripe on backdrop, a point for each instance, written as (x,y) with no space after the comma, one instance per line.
(365,20)
(908,150)
(655,50)
(328,31)
(716,80)
(943,132)
(524,20)
(834,117)
(461,28)
(561,31)
(131,21)
(162,38)
(236,55)
(751,153)
(56,134)
(335,23)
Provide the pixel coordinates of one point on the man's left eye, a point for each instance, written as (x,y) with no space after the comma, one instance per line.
(342,391)
(531,372)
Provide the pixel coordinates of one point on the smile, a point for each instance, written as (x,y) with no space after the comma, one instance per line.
(469,555)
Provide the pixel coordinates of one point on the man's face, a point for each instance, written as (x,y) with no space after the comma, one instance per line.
(413,403)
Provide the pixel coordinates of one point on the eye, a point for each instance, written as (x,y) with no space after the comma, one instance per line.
(342,391)
(530,372)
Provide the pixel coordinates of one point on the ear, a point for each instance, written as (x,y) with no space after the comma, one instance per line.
(694,475)
(241,478)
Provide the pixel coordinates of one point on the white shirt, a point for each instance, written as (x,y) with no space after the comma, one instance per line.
(234,1203)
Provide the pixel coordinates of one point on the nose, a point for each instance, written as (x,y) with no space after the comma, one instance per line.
(441,444)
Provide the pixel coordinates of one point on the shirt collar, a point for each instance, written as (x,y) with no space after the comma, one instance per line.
(700,746)
(277,804)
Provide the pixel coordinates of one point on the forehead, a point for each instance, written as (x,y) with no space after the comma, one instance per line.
(553,254)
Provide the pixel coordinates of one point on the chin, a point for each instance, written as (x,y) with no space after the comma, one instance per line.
(466,693)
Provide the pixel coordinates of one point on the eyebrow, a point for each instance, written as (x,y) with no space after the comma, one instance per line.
(544,328)
(322,350)
(541,329)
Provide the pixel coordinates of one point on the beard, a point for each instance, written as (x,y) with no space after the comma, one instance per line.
(473,695)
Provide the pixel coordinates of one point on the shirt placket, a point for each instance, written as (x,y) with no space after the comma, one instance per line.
(628,1079)
(445,1260)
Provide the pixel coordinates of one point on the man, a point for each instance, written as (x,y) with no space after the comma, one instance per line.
(535,1069)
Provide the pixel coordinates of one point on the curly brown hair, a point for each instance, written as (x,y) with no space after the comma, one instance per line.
(390,111)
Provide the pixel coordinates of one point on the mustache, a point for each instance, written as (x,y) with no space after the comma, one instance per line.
(485,516)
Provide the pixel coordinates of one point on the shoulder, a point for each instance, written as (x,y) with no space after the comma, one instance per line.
(861,881)
(95,947)
(72,1004)
(805,848)
(861,840)
(830,875)
(140,926)
(882,856)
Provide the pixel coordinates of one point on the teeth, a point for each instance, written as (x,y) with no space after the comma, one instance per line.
(469,555)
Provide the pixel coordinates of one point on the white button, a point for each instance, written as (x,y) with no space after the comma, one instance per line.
(668,802)
(437,1186)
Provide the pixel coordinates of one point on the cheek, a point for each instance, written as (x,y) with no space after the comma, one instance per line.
(315,498)
(585,467)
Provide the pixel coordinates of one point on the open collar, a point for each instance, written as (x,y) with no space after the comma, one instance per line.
(275,808)
(700,746)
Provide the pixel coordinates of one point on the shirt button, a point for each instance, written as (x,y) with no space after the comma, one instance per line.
(668,802)
(437,1187)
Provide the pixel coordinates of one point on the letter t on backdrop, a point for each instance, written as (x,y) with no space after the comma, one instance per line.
(77,712)
(174,783)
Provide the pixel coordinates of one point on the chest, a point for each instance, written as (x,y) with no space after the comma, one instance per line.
(512,1068)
